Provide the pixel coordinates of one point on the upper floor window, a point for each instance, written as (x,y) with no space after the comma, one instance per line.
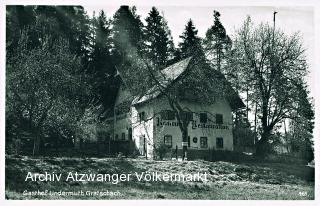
(188,116)
(167,115)
(219,118)
(203,117)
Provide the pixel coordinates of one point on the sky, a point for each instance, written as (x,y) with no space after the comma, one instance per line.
(288,19)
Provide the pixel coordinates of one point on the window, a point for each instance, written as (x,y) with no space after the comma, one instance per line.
(116,137)
(187,116)
(141,116)
(188,141)
(219,119)
(203,118)
(219,142)
(168,140)
(123,136)
(167,115)
(203,142)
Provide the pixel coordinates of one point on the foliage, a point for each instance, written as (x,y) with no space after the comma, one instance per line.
(159,41)
(101,66)
(216,42)
(191,43)
(269,64)
(43,87)
(127,31)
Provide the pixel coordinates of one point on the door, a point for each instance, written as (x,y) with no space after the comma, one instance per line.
(142,144)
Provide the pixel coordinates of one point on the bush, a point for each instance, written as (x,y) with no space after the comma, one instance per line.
(161,151)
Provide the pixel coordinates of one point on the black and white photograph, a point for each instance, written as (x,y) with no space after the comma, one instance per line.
(159,100)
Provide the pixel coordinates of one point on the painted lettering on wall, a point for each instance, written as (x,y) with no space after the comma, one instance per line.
(194,124)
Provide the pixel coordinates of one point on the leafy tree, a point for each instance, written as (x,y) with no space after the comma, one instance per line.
(44,88)
(127,32)
(269,64)
(216,42)
(17,18)
(302,124)
(159,42)
(70,23)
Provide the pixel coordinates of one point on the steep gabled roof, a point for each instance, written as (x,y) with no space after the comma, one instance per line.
(165,78)
(175,71)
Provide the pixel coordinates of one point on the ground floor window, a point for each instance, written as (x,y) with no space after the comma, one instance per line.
(219,142)
(168,140)
(203,142)
(123,136)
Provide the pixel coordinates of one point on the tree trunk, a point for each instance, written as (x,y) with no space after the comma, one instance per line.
(262,147)
(185,147)
(36,144)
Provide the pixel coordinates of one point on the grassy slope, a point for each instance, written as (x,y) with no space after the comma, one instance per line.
(226,180)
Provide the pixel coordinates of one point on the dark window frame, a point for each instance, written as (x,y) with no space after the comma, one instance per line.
(130,133)
(187,116)
(219,118)
(201,142)
(203,117)
(165,142)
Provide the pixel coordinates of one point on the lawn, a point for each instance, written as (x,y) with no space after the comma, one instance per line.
(226,180)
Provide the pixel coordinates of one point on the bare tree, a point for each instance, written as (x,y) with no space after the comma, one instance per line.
(269,63)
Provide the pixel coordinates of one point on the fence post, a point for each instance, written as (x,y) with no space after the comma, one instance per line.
(176,152)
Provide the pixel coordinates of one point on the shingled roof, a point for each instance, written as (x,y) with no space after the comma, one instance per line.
(171,73)
(165,78)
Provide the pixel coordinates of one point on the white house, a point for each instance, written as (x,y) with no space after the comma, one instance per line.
(149,121)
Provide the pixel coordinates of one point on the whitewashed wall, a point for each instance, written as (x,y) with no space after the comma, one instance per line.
(144,128)
(154,132)
(220,107)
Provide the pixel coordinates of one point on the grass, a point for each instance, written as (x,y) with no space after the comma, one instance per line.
(226,180)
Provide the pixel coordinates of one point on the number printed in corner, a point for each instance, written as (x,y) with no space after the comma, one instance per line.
(303,194)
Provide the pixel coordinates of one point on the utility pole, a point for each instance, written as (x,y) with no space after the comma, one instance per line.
(274,19)
(274,26)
